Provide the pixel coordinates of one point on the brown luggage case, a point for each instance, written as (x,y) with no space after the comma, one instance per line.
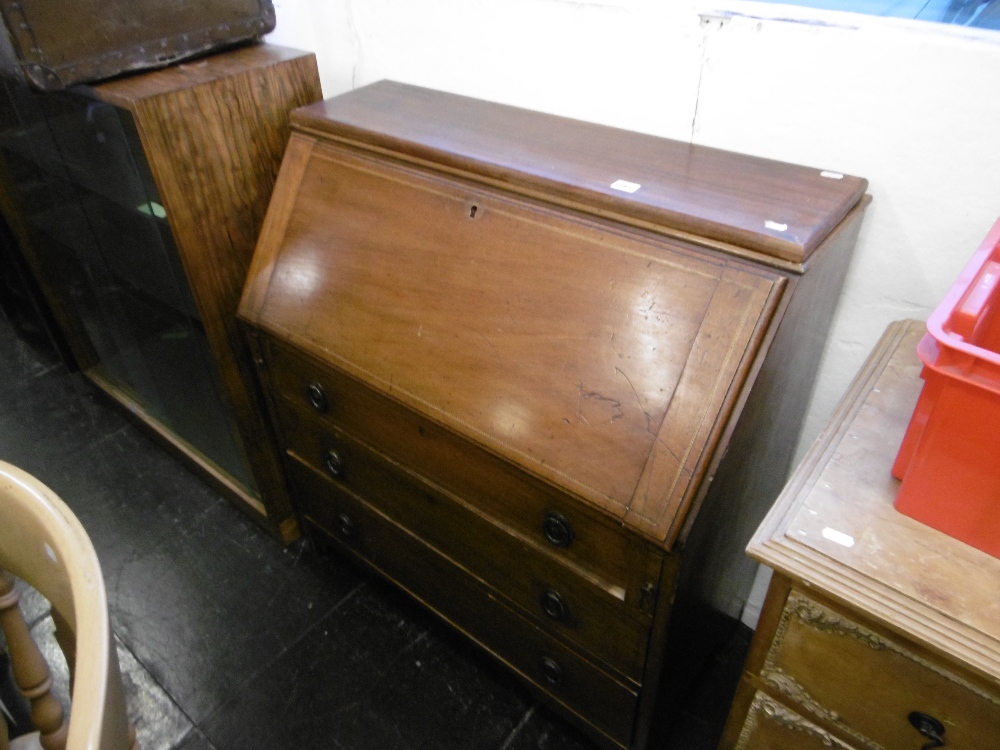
(55,44)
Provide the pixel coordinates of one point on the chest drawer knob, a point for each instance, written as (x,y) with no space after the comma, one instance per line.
(557,530)
(929,727)
(334,464)
(553,604)
(317,397)
(346,526)
(551,671)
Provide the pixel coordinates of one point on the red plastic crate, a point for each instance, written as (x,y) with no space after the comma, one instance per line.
(950,457)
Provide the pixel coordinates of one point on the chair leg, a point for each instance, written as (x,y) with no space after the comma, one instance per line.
(4,738)
(30,670)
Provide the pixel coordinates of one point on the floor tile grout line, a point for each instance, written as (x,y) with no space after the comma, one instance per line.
(193,728)
(520,726)
(152,676)
(284,650)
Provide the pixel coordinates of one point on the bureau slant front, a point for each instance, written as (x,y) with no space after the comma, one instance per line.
(551,410)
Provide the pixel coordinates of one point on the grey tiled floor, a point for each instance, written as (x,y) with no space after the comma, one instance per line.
(229,640)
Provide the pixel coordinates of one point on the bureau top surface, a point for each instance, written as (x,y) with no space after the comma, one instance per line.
(772,208)
(835,526)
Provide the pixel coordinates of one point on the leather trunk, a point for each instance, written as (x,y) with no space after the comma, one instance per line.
(57,44)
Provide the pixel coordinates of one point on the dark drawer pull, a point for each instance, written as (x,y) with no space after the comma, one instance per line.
(557,530)
(929,727)
(553,604)
(551,671)
(346,526)
(333,463)
(317,397)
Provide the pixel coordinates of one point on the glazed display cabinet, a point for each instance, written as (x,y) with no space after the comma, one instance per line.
(137,204)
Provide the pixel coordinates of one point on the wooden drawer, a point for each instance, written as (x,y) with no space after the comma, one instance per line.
(554,595)
(605,552)
(867,684)
(590,694)
(771,725)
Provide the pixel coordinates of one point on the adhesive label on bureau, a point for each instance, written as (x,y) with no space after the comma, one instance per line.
(838,536)
(625,186)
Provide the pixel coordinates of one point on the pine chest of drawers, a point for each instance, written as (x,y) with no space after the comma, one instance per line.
(878,632)
(506,354)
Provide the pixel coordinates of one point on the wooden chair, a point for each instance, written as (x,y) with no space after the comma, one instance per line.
(43,543)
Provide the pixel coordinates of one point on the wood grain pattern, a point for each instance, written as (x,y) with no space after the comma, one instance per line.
(567,362)
(704,191)
(214,132)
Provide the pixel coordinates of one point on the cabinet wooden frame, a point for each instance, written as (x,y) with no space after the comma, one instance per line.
(213,132)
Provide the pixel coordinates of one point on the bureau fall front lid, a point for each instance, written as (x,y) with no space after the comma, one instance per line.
(604,359)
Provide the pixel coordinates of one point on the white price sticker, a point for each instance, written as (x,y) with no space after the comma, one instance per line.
(625,186)
(838,536)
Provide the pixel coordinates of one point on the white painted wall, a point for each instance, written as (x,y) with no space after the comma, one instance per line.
(912,106)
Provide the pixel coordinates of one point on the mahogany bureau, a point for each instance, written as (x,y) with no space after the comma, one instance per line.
(505,354)
(878,633)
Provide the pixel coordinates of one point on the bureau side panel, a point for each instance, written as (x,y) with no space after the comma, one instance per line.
(716,570)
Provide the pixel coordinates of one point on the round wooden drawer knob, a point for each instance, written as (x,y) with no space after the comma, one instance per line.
(553,604)
(334,464)
(316,395)
(557,530)
(551,671)
(929,727)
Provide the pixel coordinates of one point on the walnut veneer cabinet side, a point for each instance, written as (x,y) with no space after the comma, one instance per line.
(878,633)
(506,353)
(138,203)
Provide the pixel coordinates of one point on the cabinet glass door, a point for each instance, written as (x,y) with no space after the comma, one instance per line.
(96,222)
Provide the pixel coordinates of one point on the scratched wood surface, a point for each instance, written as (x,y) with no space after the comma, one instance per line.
(559,343)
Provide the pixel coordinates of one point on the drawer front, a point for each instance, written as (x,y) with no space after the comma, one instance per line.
(549,592)
(581,688)
(533,508)
(869,684)
(771,725)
